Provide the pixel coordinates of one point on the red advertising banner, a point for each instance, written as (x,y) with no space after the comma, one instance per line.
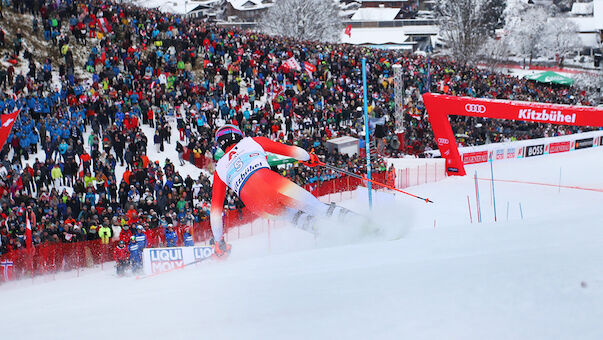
(559,147)
(475,157)
(440,106)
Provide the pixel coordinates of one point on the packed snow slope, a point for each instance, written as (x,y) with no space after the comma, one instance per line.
(540,277)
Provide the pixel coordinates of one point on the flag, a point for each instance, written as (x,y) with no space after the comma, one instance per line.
(309,68)
(28,233)
(293,64)
(348,30)
(7,121)
(415,114)
(272,58)
(7,269)
(104,25)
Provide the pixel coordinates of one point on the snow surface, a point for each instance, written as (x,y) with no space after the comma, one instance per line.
(435,275)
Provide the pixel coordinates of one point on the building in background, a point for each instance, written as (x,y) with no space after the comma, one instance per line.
(588,16)
(392,24)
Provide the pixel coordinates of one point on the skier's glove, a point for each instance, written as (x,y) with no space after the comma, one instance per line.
(313,161)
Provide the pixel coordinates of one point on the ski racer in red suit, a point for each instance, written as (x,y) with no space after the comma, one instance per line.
(244,169)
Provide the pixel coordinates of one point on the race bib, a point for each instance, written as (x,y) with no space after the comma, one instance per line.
(237,165)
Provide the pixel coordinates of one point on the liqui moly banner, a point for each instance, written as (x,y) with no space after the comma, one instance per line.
(157,260)
(440,106)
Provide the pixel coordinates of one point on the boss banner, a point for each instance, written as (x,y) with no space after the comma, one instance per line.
(440,106)
(535,150)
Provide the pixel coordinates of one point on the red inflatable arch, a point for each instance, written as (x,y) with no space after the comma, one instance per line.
(440,106)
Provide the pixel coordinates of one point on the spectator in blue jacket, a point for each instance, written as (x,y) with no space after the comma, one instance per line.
(188,238)
(141,238)
(170,236)
(135,255)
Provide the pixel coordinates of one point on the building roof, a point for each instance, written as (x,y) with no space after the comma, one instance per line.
(181,7)
(375,14)
(250,5)
(375,36)
(590,23)
(582,8)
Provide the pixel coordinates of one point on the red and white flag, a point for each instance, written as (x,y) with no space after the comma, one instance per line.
(309,68)
(104,25)
(7,121)
(28,233)
(415,114)
(348,30)
(6,267)
(292,64)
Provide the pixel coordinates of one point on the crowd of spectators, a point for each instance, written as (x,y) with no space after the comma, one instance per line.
(127,74)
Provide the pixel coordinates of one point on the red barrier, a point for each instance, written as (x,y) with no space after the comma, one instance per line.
(49,258)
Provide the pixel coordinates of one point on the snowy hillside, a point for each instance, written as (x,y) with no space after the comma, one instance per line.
(540,277)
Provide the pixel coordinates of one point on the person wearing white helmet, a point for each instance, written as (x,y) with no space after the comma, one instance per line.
(244,168)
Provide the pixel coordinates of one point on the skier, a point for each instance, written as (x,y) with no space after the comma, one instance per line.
(244,169)
(135,255)
(120,255)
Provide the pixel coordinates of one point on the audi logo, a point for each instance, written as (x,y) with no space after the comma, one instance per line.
(442,141)
(475,108)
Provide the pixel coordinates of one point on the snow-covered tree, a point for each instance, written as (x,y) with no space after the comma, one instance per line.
(530,31)
(560,37)
(466,25)
(496,51)
(317,20)
(525,29)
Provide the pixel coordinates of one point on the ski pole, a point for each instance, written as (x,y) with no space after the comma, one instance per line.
(362,177)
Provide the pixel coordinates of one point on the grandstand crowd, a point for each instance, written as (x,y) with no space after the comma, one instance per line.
(123,69)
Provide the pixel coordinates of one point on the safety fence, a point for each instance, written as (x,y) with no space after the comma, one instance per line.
(420,174)
(52,258)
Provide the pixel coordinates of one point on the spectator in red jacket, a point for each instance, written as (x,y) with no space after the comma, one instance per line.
(120,255)
(125,234)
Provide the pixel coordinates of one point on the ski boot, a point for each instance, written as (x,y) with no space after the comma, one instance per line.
(221,248)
